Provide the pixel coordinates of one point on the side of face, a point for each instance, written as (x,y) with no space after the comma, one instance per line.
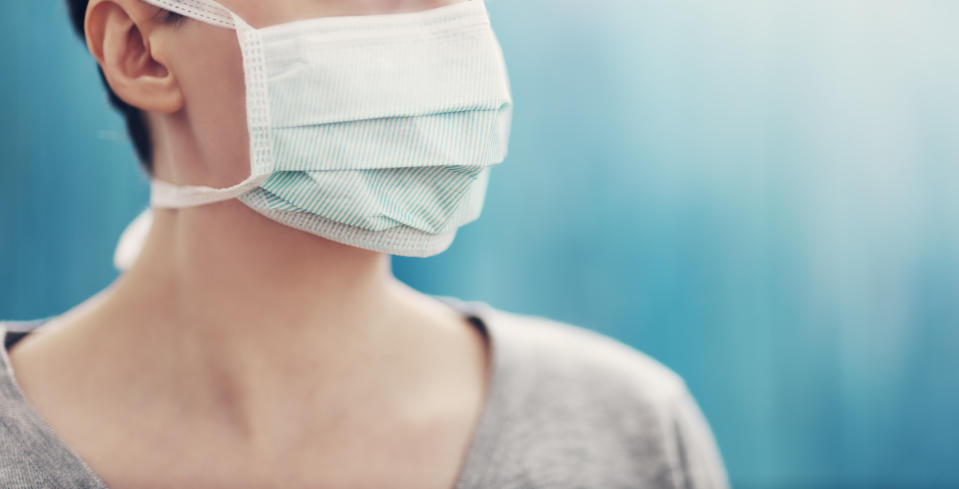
(189,79)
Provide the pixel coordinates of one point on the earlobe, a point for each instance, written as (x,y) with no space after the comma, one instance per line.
(118,35)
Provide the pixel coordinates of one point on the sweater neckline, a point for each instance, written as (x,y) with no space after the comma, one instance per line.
(480,447)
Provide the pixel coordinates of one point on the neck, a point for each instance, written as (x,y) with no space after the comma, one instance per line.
(244,317)
(224,265)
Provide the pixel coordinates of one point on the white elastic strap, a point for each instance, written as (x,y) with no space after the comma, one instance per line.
(131,241)
(168,195)
(207,11)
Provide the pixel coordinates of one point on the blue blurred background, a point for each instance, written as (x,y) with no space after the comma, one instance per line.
(760,194)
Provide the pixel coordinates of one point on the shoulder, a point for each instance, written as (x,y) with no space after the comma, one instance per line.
(31,454)
(579,357)
(626,416)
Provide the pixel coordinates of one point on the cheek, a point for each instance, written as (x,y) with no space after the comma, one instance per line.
(211,77)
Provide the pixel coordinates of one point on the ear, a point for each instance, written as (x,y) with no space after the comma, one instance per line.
(119,35)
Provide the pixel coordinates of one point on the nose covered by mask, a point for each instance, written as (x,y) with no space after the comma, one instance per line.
(374,131)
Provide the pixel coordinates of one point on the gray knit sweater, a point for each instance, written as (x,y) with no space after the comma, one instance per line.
(566,408)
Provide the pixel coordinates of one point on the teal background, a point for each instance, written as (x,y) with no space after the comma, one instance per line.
(760,194)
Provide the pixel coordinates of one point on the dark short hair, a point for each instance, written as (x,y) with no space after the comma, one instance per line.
(135,118)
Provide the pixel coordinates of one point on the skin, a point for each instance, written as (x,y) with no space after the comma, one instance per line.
(238,352)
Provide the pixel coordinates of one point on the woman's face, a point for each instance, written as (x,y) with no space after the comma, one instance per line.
(207,63)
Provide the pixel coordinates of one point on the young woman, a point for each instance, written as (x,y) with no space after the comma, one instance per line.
(259,339)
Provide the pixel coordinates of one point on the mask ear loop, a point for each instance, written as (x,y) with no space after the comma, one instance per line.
(131,241)
(208,11)
(167,195)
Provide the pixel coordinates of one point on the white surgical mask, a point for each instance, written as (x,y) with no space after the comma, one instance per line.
(375,131)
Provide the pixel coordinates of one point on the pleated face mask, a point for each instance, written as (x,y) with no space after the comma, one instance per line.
(374,131)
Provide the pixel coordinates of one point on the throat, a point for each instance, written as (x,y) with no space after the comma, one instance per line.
(269,392)
(232,332)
